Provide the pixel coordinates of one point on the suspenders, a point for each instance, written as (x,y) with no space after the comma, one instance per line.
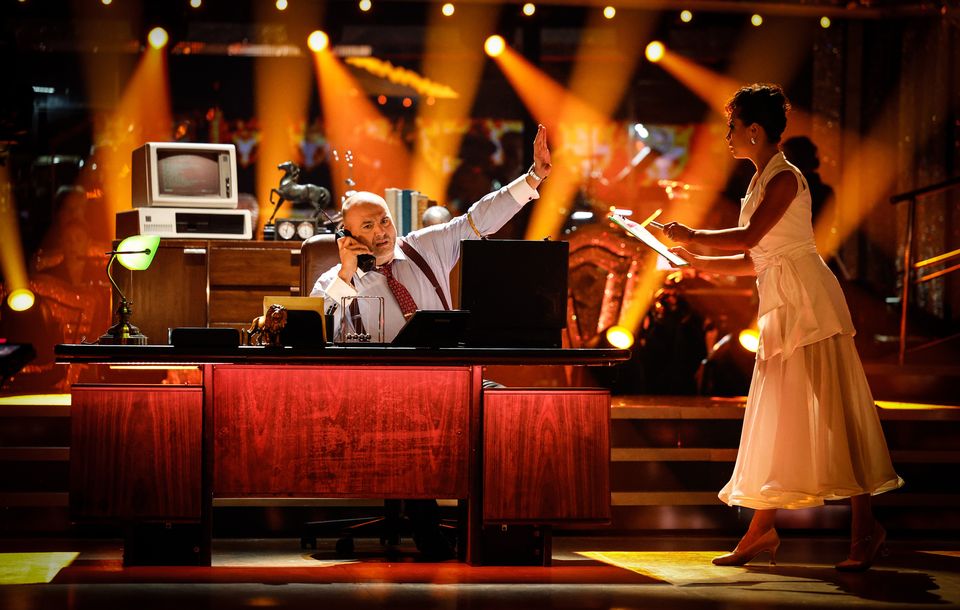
(425,268)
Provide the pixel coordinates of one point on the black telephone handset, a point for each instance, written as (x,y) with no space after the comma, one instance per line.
(365,262)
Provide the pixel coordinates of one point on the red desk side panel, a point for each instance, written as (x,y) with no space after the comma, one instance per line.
(135,452)
(546,456)
(376,432)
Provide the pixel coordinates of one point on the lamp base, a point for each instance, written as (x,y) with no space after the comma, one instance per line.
(133,339)
(123,332)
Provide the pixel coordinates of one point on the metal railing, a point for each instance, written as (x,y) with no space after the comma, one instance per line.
(909,266)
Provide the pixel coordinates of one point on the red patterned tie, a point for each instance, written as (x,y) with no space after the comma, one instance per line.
(407,305)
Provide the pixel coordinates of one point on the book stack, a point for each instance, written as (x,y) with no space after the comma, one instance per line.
(407,207)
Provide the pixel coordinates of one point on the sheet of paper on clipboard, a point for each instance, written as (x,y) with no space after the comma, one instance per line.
(647,238)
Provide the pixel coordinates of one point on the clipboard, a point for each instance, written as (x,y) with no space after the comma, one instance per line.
(647,238)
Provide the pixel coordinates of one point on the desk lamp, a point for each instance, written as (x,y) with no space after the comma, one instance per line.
(135,253)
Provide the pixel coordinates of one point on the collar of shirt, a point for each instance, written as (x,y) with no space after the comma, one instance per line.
(398,255)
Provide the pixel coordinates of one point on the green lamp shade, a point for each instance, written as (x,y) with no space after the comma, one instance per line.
(137,251)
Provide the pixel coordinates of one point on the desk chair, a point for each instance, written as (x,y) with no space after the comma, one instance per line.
(317,254)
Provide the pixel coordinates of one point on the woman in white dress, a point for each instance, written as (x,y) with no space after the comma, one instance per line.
(811,431)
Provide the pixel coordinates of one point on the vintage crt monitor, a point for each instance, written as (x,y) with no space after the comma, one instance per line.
(188,175)
(516,292)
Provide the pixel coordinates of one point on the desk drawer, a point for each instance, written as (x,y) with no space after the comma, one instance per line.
(230,306)
(251,266)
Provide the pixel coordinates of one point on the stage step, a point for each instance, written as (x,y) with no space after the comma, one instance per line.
(671,455)
(34,463)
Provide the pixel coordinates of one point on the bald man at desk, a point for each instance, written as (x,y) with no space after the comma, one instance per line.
(413,272)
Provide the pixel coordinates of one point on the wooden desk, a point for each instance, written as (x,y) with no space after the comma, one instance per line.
(373,422)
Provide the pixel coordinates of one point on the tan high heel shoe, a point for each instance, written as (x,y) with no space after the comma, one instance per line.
(868,548)
(769,542)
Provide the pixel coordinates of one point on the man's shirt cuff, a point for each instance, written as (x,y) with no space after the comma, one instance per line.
(521,191)
(338,289)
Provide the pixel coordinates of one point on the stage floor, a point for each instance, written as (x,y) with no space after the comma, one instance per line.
(595,573)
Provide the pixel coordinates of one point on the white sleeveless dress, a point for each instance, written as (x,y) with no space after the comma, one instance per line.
(810,431)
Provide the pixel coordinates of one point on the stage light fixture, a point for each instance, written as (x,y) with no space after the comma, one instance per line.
(135,253)
(756,20)
(281,5)
(727,369)
(529,9)
(448,9)
(655,51)
(158,38)
(824,22)
(196,3)
(21,299)
(609,12)
(619,337)
(318,41)
(494,45)
(686,16)
(365,5)
(749,339)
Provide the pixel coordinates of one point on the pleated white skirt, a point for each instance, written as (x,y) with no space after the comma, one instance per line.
(810,432)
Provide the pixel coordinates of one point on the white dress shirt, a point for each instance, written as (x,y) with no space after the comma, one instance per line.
(439,245)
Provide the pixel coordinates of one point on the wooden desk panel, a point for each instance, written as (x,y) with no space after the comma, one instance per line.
(546,455)
(135,452)
(379,432)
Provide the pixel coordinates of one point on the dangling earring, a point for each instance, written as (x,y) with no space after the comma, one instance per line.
(753,140)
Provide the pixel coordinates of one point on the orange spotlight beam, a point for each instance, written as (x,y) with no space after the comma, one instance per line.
(282,89)
(142,115)
(555,107)
(283,92)
(11,249)
(353,123)
(455,61)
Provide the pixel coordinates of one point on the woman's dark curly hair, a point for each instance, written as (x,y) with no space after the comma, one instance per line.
(763,104)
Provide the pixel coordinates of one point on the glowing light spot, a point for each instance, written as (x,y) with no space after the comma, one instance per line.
(609,12)
(318,41)
(494,45)
(431,101)
(756,20)
(686,16)
(382,100)
(407,102)
(529,9)
(655,51)
(158,38)
(619,337)
(106,2)
(281,5)
(365,5)
(20,299)
(448,9)
(750,339)
(824,22)
(196,3)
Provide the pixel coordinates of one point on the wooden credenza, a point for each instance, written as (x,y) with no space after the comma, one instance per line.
(217,283)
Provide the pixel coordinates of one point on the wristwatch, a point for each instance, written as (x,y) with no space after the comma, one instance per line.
(533,173)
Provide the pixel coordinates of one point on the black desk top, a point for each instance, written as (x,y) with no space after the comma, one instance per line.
(447,356)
